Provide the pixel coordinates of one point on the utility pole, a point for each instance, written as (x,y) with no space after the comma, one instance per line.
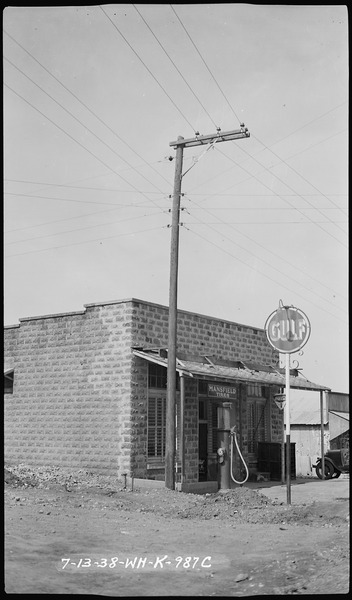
(180,144)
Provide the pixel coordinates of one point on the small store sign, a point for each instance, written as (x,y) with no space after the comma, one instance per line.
(224,392)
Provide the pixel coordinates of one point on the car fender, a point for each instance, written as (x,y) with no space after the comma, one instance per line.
(327,460)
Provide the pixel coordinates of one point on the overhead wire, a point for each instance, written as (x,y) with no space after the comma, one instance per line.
(99,239)
(274,254)
(83,125)
(162,86)
(177,69)
(309,123)
(83,104)
(76,141)
(80,187)
(50,235)
(279,195)
(100,203)
(234,113)
(149,71)
(105,189)
(270,265)
(288,186)
(264,274)
(313,222)
(99,212)
(205,64)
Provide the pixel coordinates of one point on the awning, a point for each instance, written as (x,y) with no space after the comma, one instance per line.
(210,368)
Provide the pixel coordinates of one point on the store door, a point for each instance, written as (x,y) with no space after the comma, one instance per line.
(203,451)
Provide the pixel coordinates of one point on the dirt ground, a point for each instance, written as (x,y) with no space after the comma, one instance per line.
(81,533)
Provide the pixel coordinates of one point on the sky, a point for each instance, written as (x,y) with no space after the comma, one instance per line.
(93,96)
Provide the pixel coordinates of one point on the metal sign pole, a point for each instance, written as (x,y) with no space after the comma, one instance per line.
(288,443)
(287,330)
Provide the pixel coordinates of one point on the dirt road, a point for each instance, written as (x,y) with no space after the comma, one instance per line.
(81,534)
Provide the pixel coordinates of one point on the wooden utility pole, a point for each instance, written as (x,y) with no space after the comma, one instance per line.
(180,144)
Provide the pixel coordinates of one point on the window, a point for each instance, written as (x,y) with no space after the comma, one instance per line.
(157,376)
(258,423)
(156,426)
(8,382)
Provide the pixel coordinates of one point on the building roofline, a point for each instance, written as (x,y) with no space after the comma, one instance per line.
(179,310)
(52,316)
(133,300)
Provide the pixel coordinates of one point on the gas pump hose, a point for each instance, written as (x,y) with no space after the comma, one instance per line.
(233,436)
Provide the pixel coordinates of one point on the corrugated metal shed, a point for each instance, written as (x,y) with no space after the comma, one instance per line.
(307,417)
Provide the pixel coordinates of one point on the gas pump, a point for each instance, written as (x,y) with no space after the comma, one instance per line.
(227,439)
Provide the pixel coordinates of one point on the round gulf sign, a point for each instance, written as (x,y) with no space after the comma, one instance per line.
(287,329)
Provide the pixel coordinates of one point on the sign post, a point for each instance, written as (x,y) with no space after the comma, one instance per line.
(287,330)
(280,401)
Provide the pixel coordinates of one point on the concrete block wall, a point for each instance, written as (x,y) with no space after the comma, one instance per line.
(200,334)
(71,400)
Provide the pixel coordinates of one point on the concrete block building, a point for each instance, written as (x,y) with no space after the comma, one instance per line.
(87,390)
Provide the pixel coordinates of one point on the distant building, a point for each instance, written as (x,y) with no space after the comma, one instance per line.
(87,390)
(305,421)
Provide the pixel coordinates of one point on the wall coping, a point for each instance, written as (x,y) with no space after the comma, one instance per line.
(179,310)
(52,316)
(133,301)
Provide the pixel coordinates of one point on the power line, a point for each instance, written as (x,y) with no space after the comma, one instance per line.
(309,123)
(266,169)
(81,187)
(100,203)
(87,241)
(258,208)
(205,64)
(264,274)
(232,195)
(99,212)
(233,111)
(149,71)
(177,69)
(76,141)
(265,222)
(82,228)
(297,173)
(279,196)
(80,122)
(262,260)
(83,104)
(263,248)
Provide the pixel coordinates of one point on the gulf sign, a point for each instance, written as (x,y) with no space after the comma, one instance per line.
(287,329)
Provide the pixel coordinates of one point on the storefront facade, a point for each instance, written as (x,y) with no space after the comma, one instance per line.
(88,390)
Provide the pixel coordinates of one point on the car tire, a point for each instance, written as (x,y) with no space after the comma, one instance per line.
(329,470)
(336,474)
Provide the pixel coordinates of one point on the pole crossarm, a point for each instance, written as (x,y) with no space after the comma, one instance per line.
(220,136)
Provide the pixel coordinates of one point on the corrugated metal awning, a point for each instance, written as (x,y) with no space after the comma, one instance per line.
(238,371)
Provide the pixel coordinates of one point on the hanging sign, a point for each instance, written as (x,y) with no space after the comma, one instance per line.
(280,400)
(226,392)
(287,329)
